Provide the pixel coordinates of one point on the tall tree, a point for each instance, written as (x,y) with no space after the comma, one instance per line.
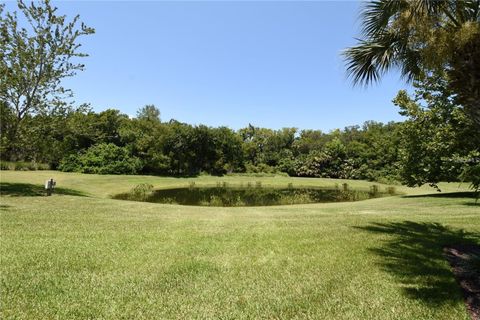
(438,141)
(35,57)
(149,113)
(421,37)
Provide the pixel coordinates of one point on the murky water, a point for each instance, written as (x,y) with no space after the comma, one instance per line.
(236,197)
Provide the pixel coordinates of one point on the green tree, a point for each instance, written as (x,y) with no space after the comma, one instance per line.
(35,58)
(149,113)
(438,141)
(265,147)
(421,37)
(310,140)
(103,158)
(145,137)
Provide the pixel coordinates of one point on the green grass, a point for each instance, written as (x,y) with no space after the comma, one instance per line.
(81,255)
(105,186)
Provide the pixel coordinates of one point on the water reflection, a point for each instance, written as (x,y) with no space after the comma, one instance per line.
(257,196)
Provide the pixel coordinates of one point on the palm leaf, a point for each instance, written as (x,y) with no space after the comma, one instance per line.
(377,15)
(370,59)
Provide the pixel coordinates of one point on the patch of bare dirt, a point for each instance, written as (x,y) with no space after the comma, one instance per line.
(465,263)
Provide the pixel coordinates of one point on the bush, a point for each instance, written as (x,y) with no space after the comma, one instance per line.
(4,166)
(391,190)
(287,165)
(471,173)
(103,158)
(141,192)
(23,166)
(260,168)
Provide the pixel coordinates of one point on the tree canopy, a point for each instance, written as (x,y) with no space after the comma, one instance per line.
(34,58)
(421,37)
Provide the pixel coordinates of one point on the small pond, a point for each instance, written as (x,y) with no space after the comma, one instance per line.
(253,196)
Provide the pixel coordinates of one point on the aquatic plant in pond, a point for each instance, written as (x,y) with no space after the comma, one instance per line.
(224,196)
(142,191)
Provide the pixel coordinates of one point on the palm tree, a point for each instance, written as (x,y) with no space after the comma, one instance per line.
(419,37)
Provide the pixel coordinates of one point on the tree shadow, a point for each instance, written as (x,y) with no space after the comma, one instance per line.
(463,194)
(32,190)
(414,256)
(452,195)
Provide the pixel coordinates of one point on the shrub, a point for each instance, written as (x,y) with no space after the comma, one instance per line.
(141,191)
(391,190)
(103,158)
(260,168)
(4,166)
(42,166)
(472,173)
(23,166)
(374,190)
(70,163)
(20,166)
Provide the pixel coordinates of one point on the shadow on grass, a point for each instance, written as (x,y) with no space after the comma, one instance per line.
(32,190)
(414,256)
(465,194)
(452,195)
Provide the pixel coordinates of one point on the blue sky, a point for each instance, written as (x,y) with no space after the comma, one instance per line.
(272,64)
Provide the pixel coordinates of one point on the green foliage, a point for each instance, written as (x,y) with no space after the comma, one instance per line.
(420,38)
(471,170)
(391,190)
(36,53)
(179,149)
(23,166)
(260,168)
(149,113)
(436,136)
(174,148)
(4,166)
(141,191)
(266,146)
(104,158)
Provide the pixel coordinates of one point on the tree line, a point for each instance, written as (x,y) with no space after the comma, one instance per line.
(111,142)
(436,142)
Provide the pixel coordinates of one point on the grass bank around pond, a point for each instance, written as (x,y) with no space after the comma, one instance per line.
(106,186)
(79,254)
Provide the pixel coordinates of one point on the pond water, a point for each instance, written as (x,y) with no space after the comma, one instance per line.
(255,196)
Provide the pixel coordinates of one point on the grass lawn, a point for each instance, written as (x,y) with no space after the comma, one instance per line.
(81,255)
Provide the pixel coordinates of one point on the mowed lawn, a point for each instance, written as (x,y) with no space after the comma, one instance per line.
(81,255)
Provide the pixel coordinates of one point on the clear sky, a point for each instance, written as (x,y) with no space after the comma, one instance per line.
(273,64)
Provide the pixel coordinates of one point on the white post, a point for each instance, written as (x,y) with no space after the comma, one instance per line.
(49,185)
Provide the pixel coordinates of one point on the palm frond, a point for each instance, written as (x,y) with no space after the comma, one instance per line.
(410,64)
(396,31)
(472,10)
(370,59)
(376,15)
(428,7)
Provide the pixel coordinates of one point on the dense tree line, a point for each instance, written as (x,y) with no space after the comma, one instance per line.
(437,142)
(111,142)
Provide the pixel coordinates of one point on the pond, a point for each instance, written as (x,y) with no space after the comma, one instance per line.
(251,196)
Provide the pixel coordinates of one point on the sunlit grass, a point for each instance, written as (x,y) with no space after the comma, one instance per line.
(105,186)
(76,257)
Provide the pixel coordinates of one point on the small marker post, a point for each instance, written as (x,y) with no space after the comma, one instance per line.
(49,186)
